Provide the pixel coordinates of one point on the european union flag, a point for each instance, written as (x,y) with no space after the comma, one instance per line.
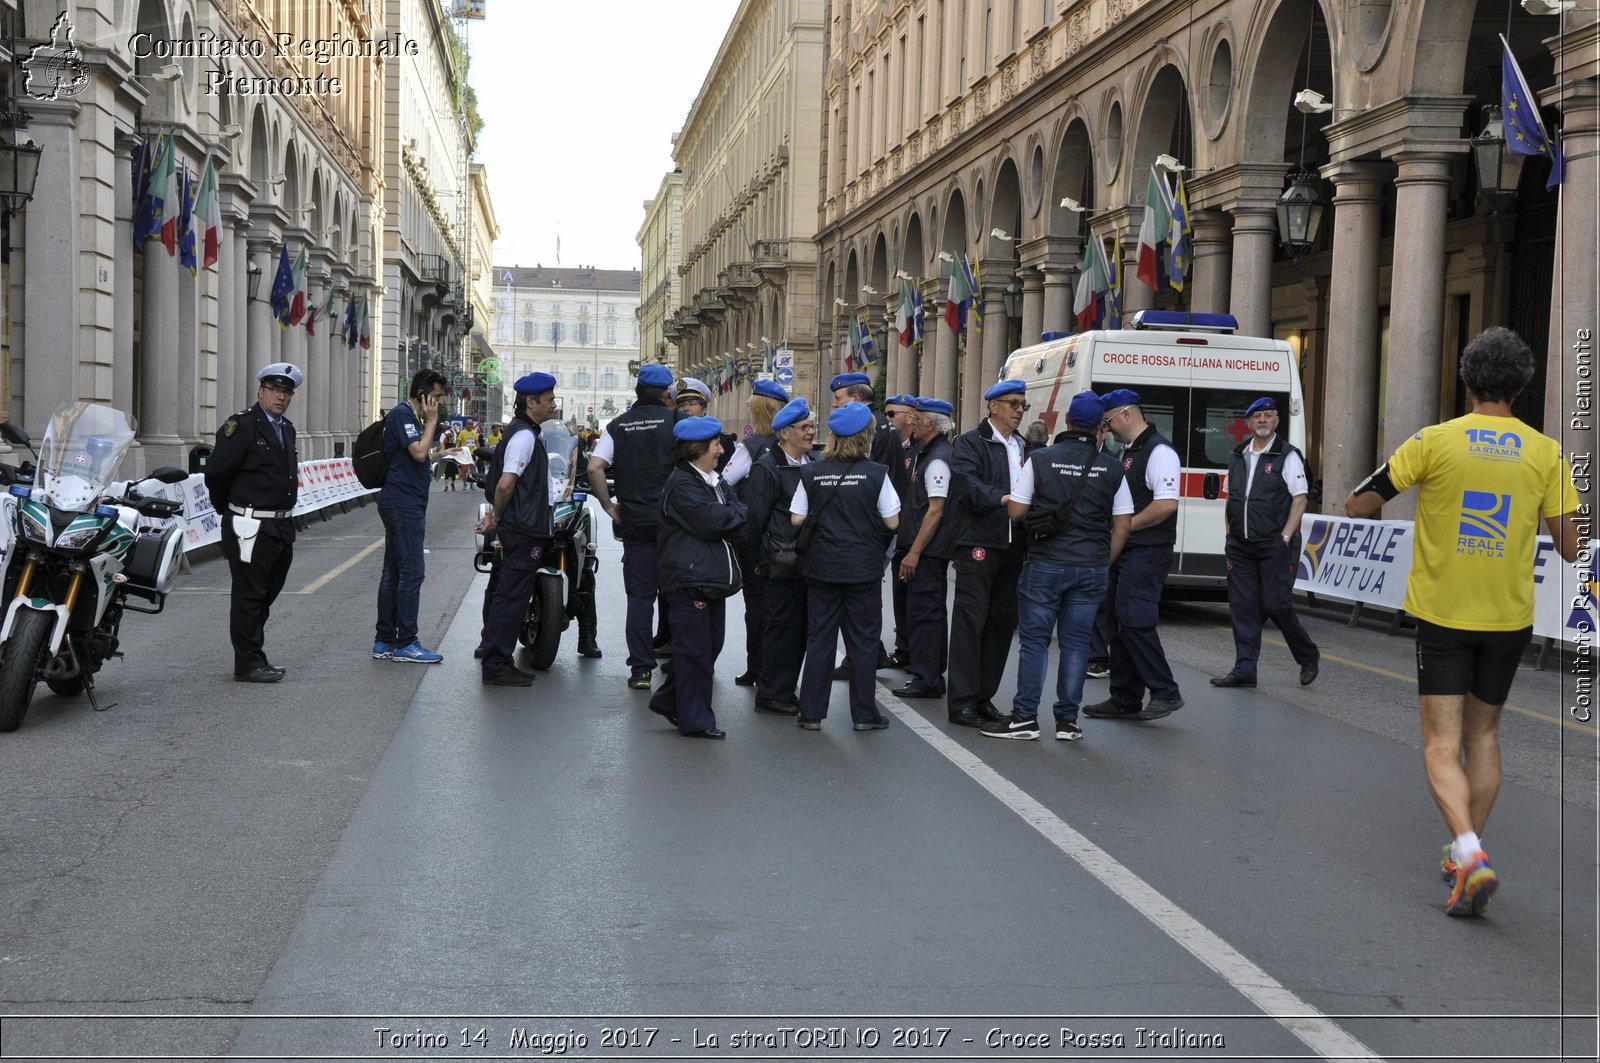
(282,287)
(186,252)
(1525,132)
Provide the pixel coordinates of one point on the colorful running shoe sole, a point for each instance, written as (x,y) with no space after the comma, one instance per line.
(1475,883)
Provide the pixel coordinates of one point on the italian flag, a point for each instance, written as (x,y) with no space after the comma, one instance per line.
(955,303)
(1152,229)
(297,309)
(1086,304)
(208,208)
(166,179)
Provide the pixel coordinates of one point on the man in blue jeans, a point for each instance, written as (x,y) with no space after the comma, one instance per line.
(1080,510)
(408,434)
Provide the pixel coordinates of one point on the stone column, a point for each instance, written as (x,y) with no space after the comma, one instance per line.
(1416,305)
(1058,300)
(1213,263)
(938,376)
(1573,305)
(1032,307)
(969,407)
(51,244)
(995,337)
(1349,416)
(1255,236)
(240,373)
(122,395)
(259,321)
(158,356)
(319,377)
(192,371)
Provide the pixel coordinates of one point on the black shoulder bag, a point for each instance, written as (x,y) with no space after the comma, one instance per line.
(1041,525)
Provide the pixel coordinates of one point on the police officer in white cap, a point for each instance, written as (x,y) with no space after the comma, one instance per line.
(253,478)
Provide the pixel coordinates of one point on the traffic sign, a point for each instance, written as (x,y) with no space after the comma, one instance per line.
(784,376)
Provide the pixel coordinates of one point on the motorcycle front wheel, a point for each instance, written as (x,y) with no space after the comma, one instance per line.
(541,628)
(19,665)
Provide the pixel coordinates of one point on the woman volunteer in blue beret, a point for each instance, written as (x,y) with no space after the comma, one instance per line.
(697,570)
(766,400)
(854,508)
(768,489)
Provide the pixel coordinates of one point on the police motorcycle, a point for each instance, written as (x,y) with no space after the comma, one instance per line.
(74,557)
(564,587)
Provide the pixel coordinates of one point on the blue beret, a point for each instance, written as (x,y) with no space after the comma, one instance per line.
(1004,388)
(655,375)
(850,419)
(770,389)
(796,410)
(534,384)
(900,400)
(695,429)
(1120,397)
(1263,403)
(844,380)
(927,405)
(1086,410)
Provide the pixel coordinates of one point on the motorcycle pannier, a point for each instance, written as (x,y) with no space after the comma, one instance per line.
(152,565)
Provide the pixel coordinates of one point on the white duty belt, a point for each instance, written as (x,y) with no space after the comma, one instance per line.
(261,514)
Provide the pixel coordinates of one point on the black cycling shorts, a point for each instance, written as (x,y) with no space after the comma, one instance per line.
(1454,661)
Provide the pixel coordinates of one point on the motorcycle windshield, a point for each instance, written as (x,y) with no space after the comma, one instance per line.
(562,447)
(83,445)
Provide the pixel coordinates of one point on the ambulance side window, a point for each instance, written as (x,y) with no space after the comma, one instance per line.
(1216,423)
(1162,407)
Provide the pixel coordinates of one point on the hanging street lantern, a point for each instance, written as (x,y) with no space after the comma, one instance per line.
(1499,170)
(1300,211)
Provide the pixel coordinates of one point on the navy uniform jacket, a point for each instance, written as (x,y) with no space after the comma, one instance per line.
(249,467)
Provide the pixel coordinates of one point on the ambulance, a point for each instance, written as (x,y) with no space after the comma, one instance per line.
(1195,379)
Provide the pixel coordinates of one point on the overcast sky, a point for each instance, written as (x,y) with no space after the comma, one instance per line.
(580,101)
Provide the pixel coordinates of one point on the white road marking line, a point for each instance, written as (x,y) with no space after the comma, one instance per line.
(322,581)
(1318,1032)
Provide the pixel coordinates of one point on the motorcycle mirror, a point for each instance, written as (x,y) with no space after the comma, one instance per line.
(13,434)
(168,474)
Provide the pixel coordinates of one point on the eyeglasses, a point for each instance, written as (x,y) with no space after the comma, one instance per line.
(809,426)
(696,401)
(1015,404)
(276,390)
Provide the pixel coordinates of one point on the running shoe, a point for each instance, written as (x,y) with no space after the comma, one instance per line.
(1447,866)
(1475,884)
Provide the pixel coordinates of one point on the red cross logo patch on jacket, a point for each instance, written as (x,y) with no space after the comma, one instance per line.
(979,553)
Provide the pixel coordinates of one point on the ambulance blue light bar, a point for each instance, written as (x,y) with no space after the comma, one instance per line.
(1179,319)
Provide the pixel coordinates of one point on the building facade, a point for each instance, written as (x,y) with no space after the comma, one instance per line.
(660,241)
(578,324)
(486,404)
(957,128)
(749,152)
(426,243)
(91,316)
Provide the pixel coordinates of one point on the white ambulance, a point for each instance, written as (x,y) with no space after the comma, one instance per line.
(1195,379)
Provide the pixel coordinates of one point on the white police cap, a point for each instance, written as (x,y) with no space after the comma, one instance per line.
(285,373)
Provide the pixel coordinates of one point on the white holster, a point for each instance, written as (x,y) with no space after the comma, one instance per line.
(246,528)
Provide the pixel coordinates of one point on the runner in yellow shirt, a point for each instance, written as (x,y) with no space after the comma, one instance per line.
(1484,482)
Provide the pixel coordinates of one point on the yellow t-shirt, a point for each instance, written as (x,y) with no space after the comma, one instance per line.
(1484,487)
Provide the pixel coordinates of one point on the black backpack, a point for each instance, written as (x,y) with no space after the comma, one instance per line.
(370,456)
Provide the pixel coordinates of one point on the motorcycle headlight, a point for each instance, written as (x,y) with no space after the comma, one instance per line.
(77,539)
(33,529)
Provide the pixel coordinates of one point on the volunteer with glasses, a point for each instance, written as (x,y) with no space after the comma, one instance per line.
(1152,470)
(984,466)
(767,491)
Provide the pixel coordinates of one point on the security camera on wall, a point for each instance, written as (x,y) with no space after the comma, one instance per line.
(1309,101)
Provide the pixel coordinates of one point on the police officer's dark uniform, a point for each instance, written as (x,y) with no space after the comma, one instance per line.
(701,520)
(927,618)
(1261,560)
(988,561)
(755,607)
(1138,662)
(254,475)
(767,491)
(849,501)
(641,441)
(523,528)
(900,466)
